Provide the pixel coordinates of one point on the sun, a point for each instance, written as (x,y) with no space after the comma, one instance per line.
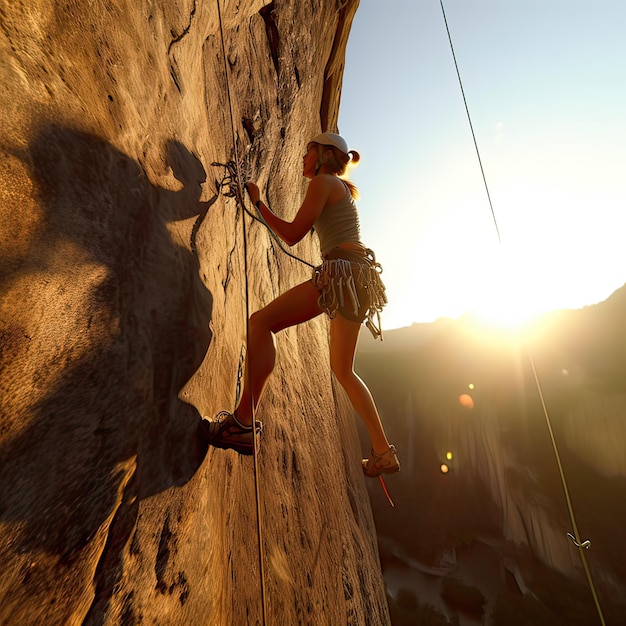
(508,310)
(508,297)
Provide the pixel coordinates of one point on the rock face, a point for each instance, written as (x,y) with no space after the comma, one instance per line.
(122,318)
(485,542)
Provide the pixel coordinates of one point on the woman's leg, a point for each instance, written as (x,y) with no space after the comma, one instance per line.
(343,339)
(295,306)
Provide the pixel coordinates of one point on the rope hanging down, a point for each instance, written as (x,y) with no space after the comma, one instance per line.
(575,537)
(247,300)
(469,119)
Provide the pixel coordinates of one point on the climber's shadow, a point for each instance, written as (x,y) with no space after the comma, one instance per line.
(140,315)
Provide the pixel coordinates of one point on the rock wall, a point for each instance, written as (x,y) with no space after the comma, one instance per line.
(122,318)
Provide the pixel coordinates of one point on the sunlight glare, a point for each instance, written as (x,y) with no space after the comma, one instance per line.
(506,299)
(465,400)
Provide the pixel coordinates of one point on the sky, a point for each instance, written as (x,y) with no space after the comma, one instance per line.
(545,83)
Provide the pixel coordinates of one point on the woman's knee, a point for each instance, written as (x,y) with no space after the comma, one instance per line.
(258,322)
(263,322)
(342,371)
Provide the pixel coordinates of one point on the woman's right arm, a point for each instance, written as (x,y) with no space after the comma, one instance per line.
(294,231)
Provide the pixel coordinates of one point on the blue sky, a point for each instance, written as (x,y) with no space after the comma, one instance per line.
(546,88)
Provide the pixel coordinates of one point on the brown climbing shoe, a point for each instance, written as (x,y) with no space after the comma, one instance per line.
(227,432)
(378,464)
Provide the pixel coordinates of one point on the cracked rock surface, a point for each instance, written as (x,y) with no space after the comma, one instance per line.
(122,318)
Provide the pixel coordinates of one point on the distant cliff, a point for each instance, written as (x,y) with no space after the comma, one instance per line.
(122,320)
(486,538)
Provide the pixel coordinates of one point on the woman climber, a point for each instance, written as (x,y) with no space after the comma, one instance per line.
(347,287)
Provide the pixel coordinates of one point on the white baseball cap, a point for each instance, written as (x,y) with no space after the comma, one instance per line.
(331,139)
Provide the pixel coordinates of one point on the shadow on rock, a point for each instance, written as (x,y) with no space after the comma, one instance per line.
(106,321)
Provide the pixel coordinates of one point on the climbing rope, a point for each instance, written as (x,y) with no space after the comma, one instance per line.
(575,536)
(469,119)
(239,195)
(231,175)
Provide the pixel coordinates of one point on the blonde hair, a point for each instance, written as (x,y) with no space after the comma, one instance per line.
(339,164)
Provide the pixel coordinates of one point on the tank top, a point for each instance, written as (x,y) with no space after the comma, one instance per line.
(338,223)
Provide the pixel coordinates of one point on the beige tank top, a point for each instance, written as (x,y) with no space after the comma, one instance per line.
(338,223)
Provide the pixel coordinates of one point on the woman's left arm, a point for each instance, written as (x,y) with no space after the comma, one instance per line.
(314,203)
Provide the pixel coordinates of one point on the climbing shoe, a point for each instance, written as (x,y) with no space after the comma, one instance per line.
(378,464)
(227,432)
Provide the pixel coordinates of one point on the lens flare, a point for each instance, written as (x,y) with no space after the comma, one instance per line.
(466,401)
(444,468)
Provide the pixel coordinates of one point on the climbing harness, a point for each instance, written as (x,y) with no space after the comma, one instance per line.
(575,536)
(257,488)
(344,282)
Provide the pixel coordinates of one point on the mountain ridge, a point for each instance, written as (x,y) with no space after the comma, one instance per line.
(461,388)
